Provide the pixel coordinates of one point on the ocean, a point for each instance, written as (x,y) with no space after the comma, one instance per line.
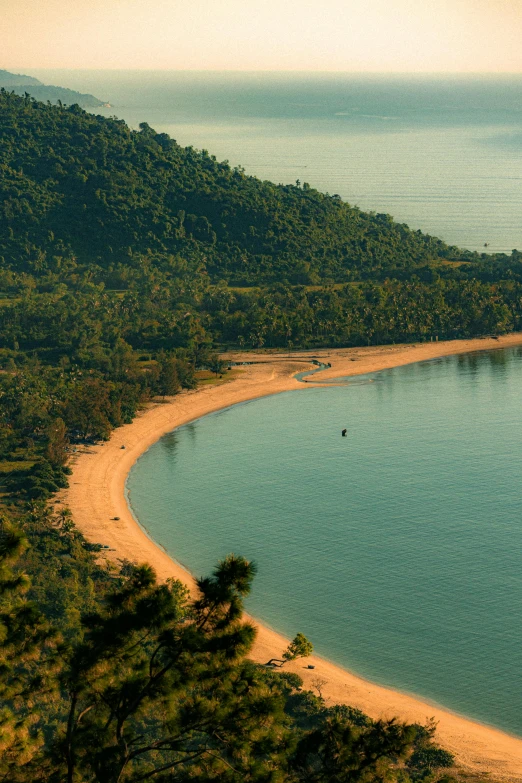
(440,153)
(395,550)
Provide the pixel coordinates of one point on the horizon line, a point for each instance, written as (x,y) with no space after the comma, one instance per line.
(271,70)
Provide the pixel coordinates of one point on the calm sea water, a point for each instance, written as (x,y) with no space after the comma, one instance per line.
(441,154)
(396,550)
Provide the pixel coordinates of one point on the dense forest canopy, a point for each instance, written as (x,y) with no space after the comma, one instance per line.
(126,263)
(130,222)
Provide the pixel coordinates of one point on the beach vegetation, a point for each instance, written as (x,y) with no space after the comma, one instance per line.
(299,647)
(215,364)
(167,375)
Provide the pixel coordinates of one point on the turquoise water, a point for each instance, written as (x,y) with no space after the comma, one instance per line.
(396,550)
(441,154)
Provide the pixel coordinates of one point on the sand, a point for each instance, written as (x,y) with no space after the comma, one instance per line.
(96,496)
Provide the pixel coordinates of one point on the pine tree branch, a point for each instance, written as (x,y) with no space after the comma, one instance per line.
(171,765)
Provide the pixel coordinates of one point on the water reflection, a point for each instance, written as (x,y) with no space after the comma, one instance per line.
(169,445)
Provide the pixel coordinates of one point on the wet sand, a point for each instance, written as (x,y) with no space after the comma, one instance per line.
(96,496)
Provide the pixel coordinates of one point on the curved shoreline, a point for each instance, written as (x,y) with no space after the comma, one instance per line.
(97,494)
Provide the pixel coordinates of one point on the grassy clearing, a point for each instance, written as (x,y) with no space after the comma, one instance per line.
(11,466)
(244,289)
(455,264)
(207,378)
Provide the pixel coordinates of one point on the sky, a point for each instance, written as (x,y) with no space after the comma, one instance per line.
(303,35)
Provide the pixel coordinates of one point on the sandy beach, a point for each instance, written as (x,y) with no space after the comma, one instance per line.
(96,496)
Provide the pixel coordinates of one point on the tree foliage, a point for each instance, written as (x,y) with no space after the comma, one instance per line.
(299,647)
(145,683)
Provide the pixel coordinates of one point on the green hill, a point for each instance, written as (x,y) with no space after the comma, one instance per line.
(104,192)
(189,251)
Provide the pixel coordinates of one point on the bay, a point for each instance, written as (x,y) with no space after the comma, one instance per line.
(396,550)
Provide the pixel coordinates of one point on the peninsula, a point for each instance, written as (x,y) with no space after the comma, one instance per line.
(21,85)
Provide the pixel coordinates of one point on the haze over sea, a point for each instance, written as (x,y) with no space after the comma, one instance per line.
(440,153)
(396,550)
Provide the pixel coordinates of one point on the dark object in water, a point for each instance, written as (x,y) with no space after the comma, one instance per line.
(343,433)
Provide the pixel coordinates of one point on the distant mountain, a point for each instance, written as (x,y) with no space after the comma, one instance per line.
(20,84)
(17,80)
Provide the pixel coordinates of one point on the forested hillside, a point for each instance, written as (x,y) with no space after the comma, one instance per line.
(89,187)
(126,222)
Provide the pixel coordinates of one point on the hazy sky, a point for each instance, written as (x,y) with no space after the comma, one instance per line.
(337,35)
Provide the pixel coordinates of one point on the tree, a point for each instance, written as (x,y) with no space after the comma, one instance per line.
(339,752)
(215,364)
(89,409)
(57,443)
(168,379)
(299,647)
(158,685)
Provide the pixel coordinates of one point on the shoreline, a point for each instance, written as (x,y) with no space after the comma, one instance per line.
(97,494)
